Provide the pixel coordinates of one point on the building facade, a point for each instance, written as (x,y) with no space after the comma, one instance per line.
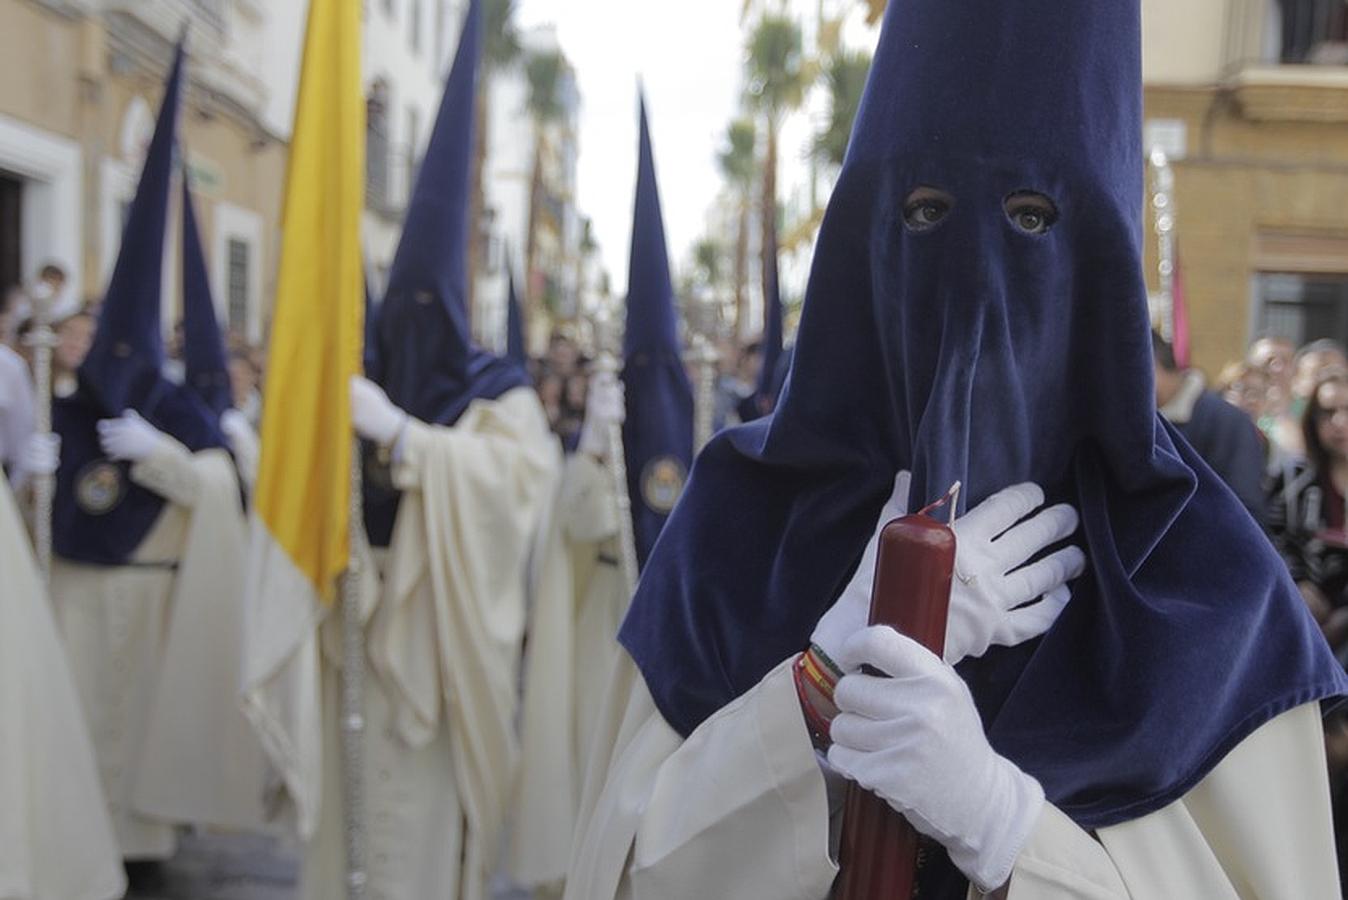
(75,119)
(530,182)
(1250,100)
(408,48)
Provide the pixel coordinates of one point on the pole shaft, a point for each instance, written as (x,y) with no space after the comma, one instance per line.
(353,700)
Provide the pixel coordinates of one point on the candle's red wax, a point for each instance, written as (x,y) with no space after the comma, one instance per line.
(913,575)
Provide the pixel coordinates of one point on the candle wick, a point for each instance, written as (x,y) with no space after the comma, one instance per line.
(951,498)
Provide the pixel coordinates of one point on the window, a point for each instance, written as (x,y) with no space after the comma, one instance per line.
(1314,32)
(239,263)
(1304,308)
(414,25)
(376,146)
(388,9)
(11,232)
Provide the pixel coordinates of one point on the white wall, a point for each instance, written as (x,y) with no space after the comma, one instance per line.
(1184,41)
(52,170)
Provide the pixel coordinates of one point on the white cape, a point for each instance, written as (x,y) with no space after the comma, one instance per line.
(56,840)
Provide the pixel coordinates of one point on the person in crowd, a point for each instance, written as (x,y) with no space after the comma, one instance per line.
(563,355)
(58,840)
(13,303)
(150,554)
(1274,357)
(738,386)
(1245,387)
(571,648)
(17,411)
(1306,521)
(1306,510)
(976,315)
(1312,364)
(551,393)
(462,473)
(74,338)
(572,410)
(1224,437)
(174,368)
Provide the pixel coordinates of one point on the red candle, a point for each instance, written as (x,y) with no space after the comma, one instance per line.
(913,574)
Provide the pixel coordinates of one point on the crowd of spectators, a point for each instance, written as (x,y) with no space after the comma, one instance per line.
(562,377)
(1281,441)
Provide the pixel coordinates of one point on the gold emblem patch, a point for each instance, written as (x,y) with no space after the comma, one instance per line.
(662,483)
(99,488)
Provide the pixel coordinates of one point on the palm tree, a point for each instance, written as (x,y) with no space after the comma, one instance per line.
(545,71)
(707,258)
(778,76)
(737,165)
(846,76)
(500,50)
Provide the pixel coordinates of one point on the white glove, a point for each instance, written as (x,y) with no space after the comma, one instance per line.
(916,740)
(243,441)
(985,601)
(42,454)
(373,413)
(605,406)
(131,437)
(236,428)
(852,611)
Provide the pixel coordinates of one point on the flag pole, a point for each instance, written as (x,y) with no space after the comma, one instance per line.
(353,698)
(617,454)
(42,340)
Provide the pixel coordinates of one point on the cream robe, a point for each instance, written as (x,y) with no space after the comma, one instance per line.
(572,651)
(157,655)
(56,840)
(444,647)
(740,809)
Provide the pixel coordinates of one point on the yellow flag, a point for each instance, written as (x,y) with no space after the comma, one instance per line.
(301,512)
(303,494)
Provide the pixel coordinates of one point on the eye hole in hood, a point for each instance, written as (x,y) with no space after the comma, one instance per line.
(1031,212)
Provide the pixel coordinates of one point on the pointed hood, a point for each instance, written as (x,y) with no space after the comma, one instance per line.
(424,339)
(658,432)
(100,515)
(652,323)
(128,348)
(203,344)
(423,349)
(516,351)
(977,311)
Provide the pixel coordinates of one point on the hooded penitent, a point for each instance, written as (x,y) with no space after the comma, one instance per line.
(100,516)
(207,372)
(515,346)
(658,431)
(962,340)
(427,361)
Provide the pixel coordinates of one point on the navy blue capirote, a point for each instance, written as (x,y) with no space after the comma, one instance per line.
(987,350)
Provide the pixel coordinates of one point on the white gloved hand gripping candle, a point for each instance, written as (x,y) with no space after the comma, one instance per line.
(914,738)
(993,584)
